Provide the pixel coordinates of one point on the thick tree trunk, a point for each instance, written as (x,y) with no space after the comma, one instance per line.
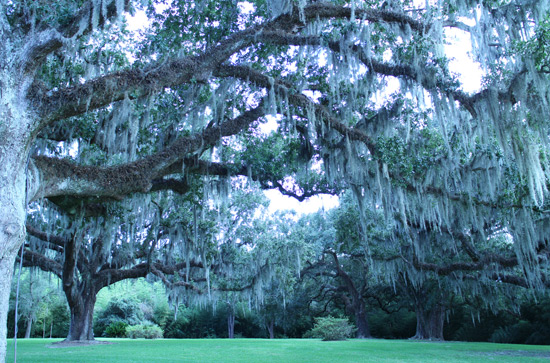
(6,271)
(16,128)
(429,322)
(82,313)
(12,220)
(363,330)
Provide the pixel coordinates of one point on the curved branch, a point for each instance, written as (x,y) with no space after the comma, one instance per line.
(63,177)
(32,259)
(155,77)
(108,277)
(427,76)
(47,237)
(324,10)
(135,82)
(248,74)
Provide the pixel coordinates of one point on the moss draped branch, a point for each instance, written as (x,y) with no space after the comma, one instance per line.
(63,177)
(283,88)
(138,82)
(45,41)
(427,76)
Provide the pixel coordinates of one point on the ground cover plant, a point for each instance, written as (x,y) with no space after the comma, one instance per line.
(277,350)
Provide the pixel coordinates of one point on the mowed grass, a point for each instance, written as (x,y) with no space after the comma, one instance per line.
(278,350)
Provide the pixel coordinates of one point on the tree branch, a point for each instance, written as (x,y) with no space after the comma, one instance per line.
(155,77)
(32,259)
(465,266)
(55,240)
(62,177)
(247,74)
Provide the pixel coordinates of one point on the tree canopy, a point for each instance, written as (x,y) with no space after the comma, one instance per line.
(364,94)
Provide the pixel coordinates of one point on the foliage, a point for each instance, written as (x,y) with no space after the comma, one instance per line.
(331,328)
(142,302)
(41,300)
(119,310)
(397,325)
(147,331)
(60,320)
(116,329)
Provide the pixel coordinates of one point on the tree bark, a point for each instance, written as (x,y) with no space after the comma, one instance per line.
(6,272)
(82,313)
(12,211)
(29,327)
(429,322)
(271,329)
(363,330)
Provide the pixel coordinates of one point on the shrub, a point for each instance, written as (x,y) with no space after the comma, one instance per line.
(330,328)
(116,329)
(118,310)
(147,331)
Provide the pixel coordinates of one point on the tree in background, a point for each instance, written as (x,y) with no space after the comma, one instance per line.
(42,309)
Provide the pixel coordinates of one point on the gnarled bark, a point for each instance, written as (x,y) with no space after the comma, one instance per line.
(82,313)
(429,322)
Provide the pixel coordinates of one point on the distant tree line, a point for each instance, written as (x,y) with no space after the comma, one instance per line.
(389,315)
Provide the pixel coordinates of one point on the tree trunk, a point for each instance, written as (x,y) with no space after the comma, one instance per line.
(16,128)
(12,225)
(271,329)
(363,330)
(82,313)
(6,271)
(357,303)
(429,323)
(231,324)
(29,327)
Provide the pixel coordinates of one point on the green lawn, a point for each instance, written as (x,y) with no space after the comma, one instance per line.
(279,350)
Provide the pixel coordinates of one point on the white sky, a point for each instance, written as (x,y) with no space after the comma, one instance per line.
(279,202)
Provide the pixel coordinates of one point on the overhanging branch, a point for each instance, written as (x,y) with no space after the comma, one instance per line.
(63,177)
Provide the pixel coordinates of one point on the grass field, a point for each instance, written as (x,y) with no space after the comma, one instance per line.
(279,350)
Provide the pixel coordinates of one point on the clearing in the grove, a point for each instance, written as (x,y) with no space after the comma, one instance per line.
(277,350)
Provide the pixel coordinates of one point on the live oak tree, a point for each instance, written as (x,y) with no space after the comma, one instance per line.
(338,268)
(210,70)
(174,241)
(433,268)
(91,252)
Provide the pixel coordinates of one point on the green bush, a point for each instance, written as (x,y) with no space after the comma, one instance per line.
(125,310)
(116,329)
(147,331)
(330,328)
